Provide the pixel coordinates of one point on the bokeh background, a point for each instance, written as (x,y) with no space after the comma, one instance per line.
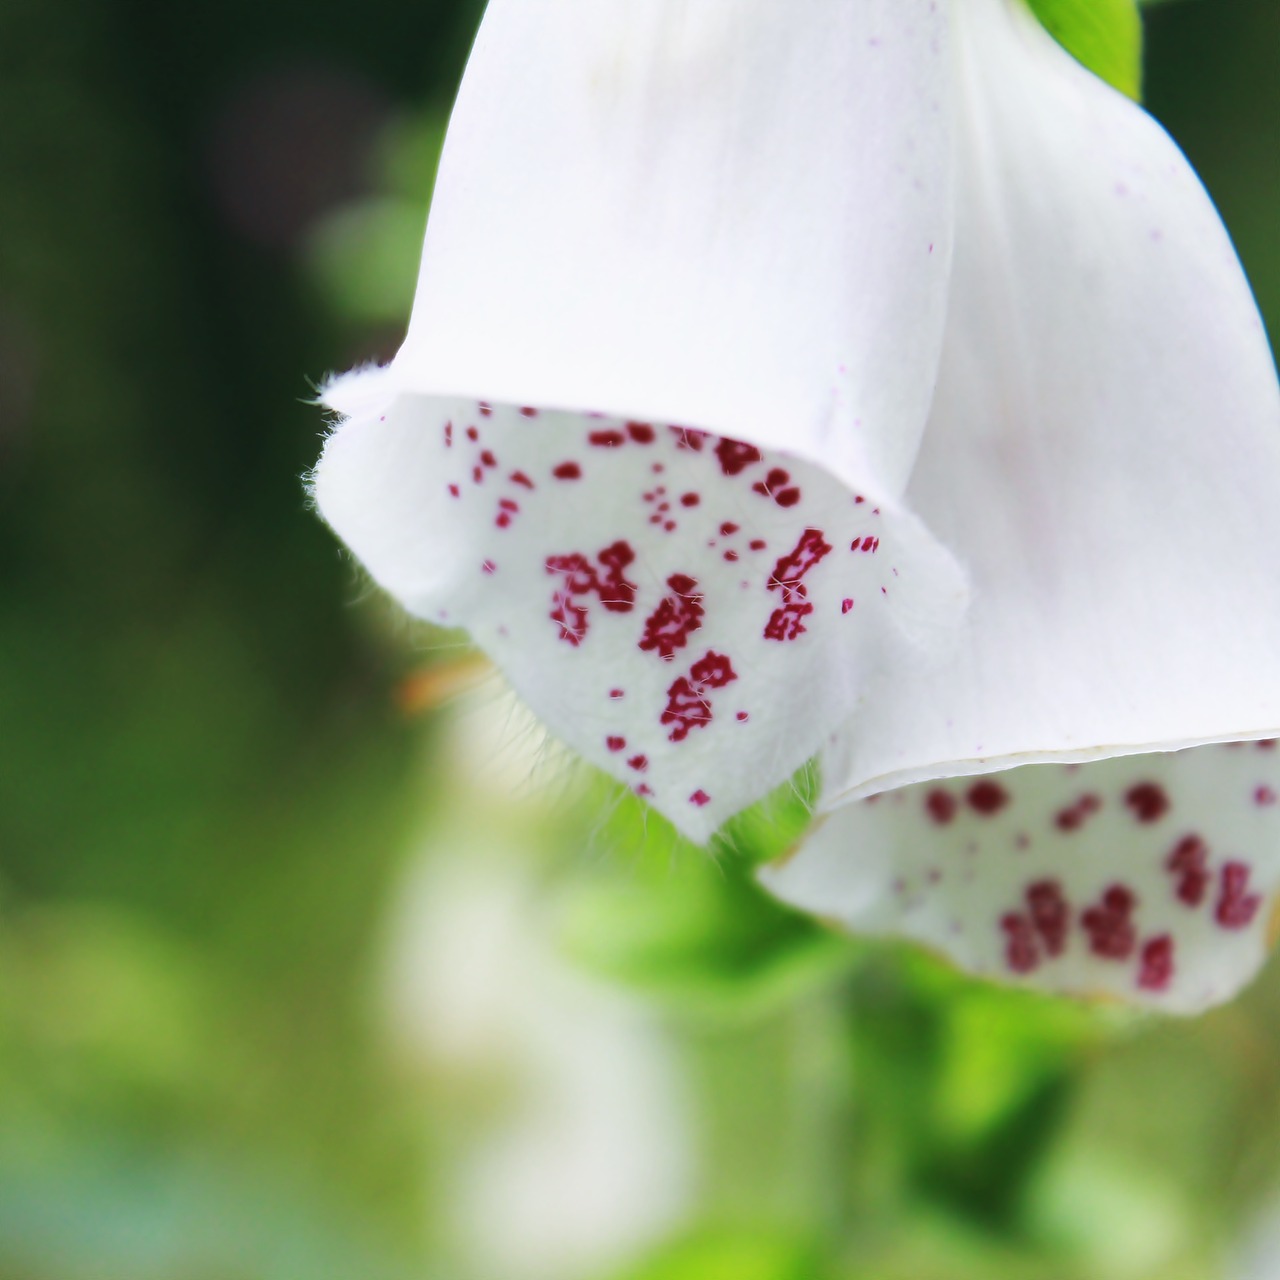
(315,962)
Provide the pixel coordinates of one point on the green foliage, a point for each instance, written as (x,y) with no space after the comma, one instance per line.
(734,1255)
(1106,35)
(693,930)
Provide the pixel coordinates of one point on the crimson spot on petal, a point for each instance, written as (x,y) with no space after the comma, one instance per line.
(1236,907)
(1020,952)
(1155,970)
(675,619)
(941,806)
(1050,914)
(1188,860)
(1148,801)
(1110,924)
(735,457)
(987,798)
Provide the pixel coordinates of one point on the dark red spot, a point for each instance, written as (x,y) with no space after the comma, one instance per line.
(728,529)
(1189,861)
(713,670)
(775,480)
(787,498)
(1110,924)
(487,458)
(477,474)
(1236,906)
(1155,963)
(1076,815)
(454,491)
(486,410)
(472,433)
(644,789)
(606,439)
(617,693)
(688,701)
(1264,796)
(580,578)
(700,798)
(1266,744)
(1148,801)
(1020,951)
(735,457)
(617,594)
(527,412)
(742,717)
(846,605)
(810,550)
(941,806)
(489,567)
(757,544)
(731,556)
(987,797)
(519,477)
(638,763)
(787,623)
(571,617)
(689,500)
(448,435)
(616,744)
(1050,913)
(689,438)
(567,471)
(640,432)
(675,619)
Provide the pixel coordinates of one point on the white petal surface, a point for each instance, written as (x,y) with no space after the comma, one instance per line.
(733,215)
(1103,454)
(1150,878)
(690,613)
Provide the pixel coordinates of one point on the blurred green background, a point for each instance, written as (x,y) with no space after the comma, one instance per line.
(297,981)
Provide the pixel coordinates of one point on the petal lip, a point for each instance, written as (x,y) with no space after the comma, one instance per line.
(687,614)
(1149,879)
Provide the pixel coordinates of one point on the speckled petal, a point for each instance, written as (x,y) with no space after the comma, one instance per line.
(1148,878)
(731,215)
(1104,451)
(689,612)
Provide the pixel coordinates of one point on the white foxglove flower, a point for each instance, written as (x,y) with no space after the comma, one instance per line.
(861,379)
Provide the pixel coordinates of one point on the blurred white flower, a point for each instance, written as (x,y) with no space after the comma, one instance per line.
(585,1153)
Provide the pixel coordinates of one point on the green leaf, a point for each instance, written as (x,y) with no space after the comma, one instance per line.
(692,928)
(759,1254)
(1106,35)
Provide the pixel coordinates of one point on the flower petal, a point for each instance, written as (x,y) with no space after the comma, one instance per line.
(699,212)
(689,612)
(1104,451)
(1151,878)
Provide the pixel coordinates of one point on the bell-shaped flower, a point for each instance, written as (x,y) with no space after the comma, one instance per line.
(861,379)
